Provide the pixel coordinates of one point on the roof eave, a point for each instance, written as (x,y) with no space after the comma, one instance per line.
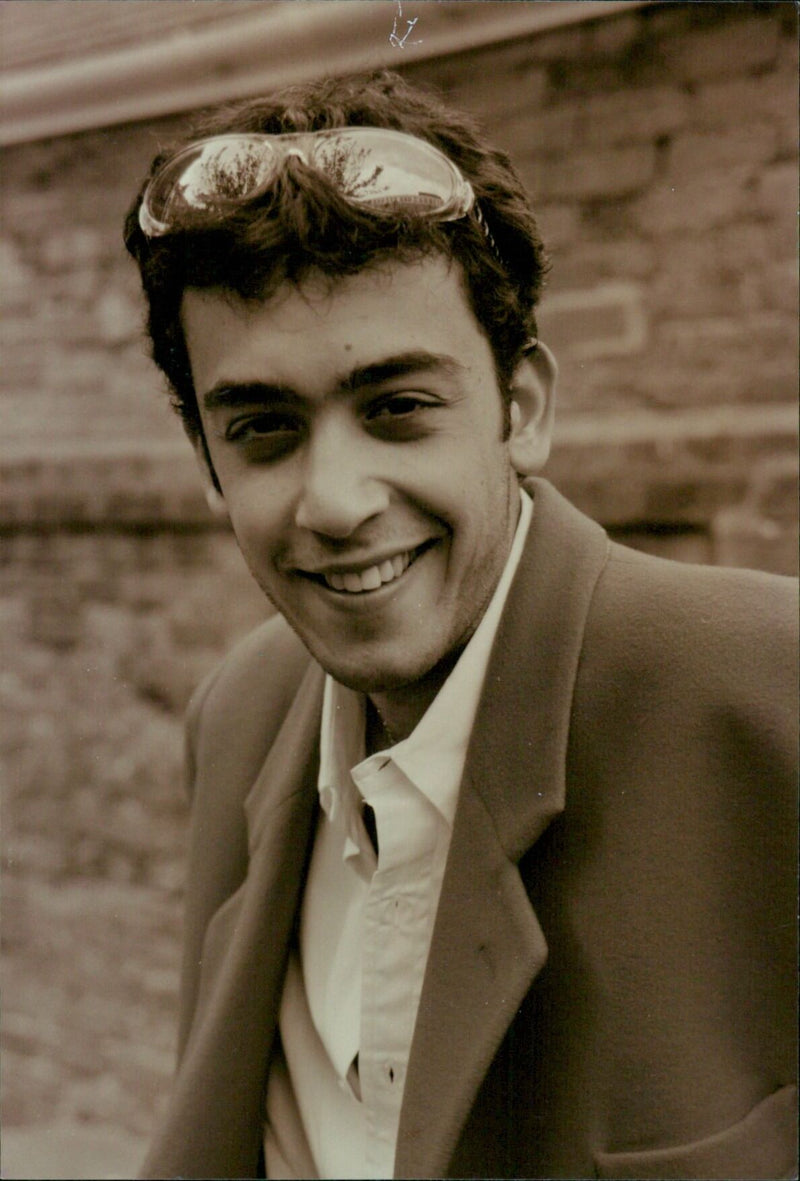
(258,52)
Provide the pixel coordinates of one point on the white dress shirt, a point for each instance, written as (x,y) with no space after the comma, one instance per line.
(353,985)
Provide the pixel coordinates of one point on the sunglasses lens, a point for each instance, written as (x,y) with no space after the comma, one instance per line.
(387,170)
(373,167)
(211,177)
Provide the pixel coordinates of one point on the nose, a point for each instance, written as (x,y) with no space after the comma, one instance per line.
(342,487)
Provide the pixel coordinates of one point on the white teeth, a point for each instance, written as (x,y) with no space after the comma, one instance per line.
(373,577)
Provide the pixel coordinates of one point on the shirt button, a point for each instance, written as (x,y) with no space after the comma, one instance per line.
(397,911)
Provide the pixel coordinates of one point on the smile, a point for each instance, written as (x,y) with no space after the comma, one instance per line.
(369,578)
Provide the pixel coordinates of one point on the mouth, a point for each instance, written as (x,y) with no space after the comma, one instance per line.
(367,579)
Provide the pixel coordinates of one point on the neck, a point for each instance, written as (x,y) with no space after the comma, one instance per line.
(393,715)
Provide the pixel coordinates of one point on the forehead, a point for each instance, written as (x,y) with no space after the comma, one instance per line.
(305,331)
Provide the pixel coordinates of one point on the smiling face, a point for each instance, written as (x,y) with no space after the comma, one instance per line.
(355,429)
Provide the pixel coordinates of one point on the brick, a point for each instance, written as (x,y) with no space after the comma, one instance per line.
(682,468)
(774,489)
(76,371)
(558,225)
(61,323)
(615,35)
(78,285)
(69,247)
(741,538)
(503,63)
(634,115)
(609,221)
(774,333)
(617,172)
(28,212)
(606,320)
(746,145)
(731,370)
(790,52)
(776,191)
(117,318)
(763,266)
(576,77)
(782,236)
(570,43)
(778,286)
(765,96)
(704,274)
(592,262)
(21,369)
(786,136)
(664,21)
(55,618)
(742,246)
(494,92)
(695,203)
(18,279)
(553,129)
(750,358)
(736,45)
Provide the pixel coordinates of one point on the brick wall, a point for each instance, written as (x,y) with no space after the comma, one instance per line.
(105,633)
(661,147)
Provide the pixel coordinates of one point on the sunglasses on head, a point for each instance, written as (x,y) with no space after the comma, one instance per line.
(372,168)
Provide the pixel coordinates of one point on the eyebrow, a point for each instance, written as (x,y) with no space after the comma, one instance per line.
(232,394)
(402,365)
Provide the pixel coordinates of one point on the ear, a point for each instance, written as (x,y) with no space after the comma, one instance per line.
(214,497)
(532,410)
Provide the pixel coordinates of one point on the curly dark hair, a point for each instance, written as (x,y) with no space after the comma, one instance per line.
(302,224)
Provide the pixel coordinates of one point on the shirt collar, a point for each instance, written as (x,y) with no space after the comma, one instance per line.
(433,755)
(341,742)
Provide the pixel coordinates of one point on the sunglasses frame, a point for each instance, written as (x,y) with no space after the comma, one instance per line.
(455,205)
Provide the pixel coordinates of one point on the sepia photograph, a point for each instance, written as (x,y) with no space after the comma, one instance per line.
(399,597)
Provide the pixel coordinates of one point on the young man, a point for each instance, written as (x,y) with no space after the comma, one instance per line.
(491,869)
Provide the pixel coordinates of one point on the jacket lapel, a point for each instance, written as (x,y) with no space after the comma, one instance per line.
(220,1088)
(488,945)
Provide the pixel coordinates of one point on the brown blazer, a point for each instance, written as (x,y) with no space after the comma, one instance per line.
(611,985)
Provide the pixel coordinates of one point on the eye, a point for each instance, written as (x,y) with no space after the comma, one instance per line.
(398,405)
(270,433)
(401,415)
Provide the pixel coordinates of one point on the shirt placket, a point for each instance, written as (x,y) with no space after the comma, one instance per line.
(394,944)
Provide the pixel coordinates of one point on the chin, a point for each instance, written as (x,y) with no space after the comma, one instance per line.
(370,681)
(367,672)
(423,677)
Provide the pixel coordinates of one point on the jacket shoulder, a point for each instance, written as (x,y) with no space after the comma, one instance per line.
(681,659)
(264,667)
(665,616)
(236,711)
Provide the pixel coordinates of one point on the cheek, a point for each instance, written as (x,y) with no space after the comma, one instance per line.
(256,531)
(468,467)
(258,502)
